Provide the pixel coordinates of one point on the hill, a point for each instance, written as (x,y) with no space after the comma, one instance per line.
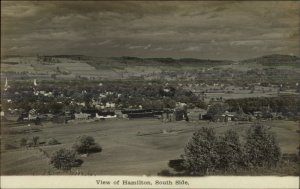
(274,59)
(82,66)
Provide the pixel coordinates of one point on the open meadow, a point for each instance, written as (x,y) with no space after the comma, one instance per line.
(130,147)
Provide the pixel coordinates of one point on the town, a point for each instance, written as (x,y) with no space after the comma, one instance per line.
(46,102)
(137,110)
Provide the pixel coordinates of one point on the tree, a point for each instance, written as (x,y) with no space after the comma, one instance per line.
(200,155)
(63,159)
(230,152)
(52,141)
(169,103)
(261,147)
(217,109)
(86,144)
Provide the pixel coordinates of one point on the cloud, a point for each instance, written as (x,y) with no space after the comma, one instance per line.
(173,29)
(145,47)
(19,11)
(104,42)
(246,42)
(192,48)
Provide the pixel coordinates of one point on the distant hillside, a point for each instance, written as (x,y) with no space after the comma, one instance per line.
(90,67)
(274,59)
(170,61)
(135,61)
(125,61)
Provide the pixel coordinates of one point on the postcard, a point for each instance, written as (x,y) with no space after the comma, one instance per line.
(150,94)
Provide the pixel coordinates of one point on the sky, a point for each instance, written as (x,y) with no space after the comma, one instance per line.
(188,29)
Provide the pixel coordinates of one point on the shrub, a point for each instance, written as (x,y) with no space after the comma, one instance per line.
(35,140)
(261,147)
(23,142)
(200,155)
(86,144)
(176,164)
(29,143)
(63,159)
(164,172)
(52,141)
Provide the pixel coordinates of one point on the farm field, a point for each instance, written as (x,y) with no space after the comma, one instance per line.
(130,147)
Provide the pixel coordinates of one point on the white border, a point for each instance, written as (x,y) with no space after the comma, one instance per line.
(240,182)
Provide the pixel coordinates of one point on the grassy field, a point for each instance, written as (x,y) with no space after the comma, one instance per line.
(130,147)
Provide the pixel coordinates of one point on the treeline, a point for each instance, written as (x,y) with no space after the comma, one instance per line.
(288,104)
(171,61)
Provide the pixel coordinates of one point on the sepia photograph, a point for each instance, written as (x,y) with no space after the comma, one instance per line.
(173,90)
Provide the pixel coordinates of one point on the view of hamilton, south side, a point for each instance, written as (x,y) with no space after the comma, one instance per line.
(149,93)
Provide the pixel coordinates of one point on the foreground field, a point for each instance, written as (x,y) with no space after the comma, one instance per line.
(130,147)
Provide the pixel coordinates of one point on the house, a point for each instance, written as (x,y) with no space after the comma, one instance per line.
(227,116)
(32,115)
(110,105)
(224,117)
(119,114)
(257,114)
(105,115)
(168,116)
(82,116)
(196,114)
(180,105)
(139,113)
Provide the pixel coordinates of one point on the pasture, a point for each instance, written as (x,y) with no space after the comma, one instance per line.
(130,147)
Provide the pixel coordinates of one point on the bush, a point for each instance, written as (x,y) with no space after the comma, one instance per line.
(52,141)
(63,159)
(261,148)
(200,155)
(23,142)
(165,172)
(35,140)
(86,144)
(29,143)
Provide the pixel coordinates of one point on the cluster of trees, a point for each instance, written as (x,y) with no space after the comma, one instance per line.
(206,153)
(65,159)
(31,142)
(35,142)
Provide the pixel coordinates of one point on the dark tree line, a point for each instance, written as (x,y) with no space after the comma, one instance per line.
(283,104)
